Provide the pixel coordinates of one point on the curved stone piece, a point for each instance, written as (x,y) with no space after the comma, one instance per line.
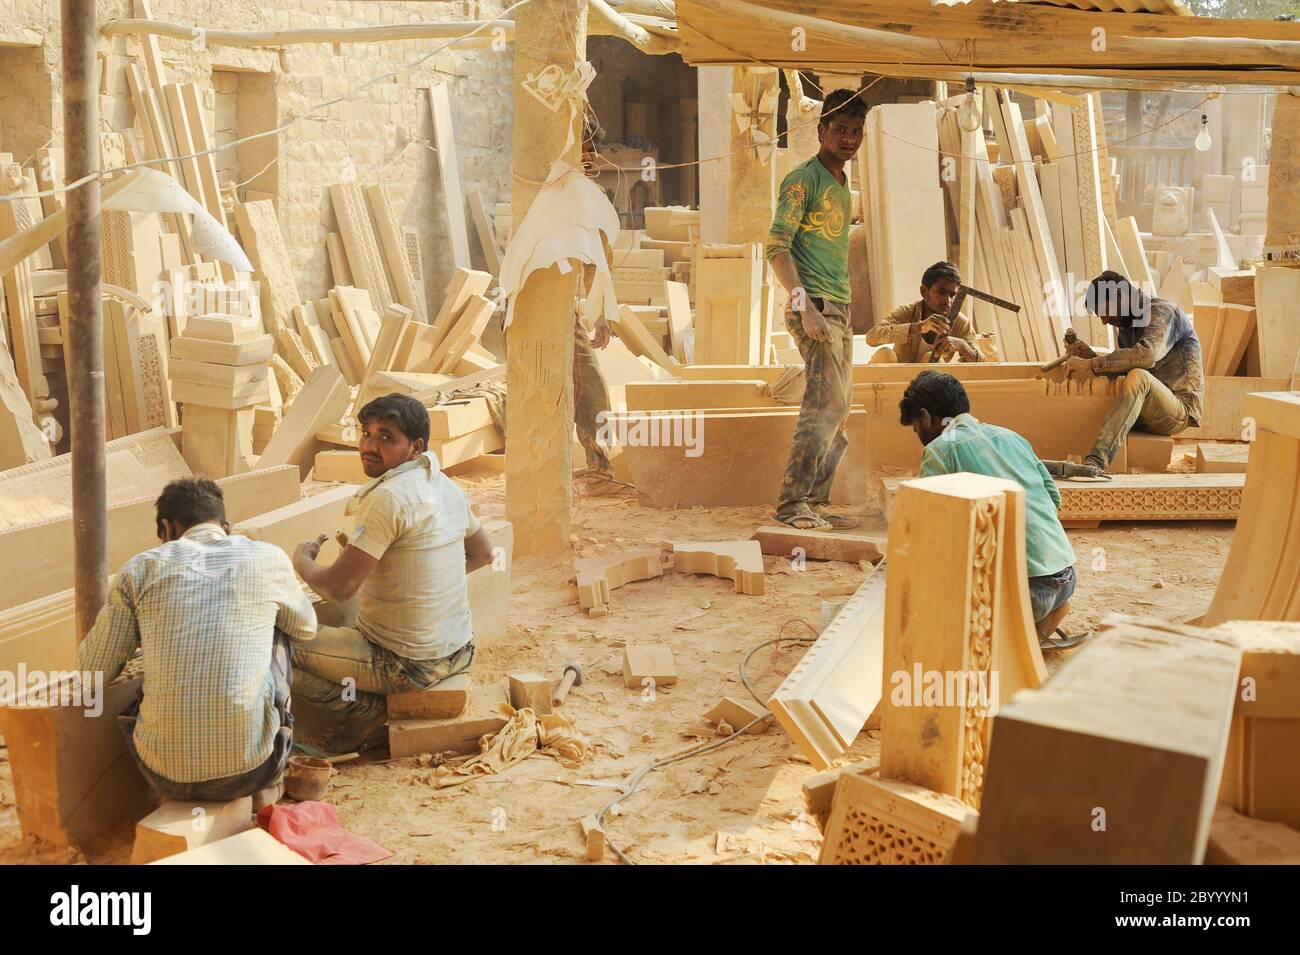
(1261,580)
(959,638)
(741,561)
(597,576)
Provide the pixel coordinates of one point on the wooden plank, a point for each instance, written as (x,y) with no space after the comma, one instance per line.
(410,293)
(1259,580)
(351,328)
(1136,266)
(1043,248)
(1049,177)
(202,141)
(1136,723)
(449,174)
(135,465)
(877,821)
(183,140)
(288,526)
(464,333)
(465,283)
(44,549)
(1277,290)
(829,695)
(253,847)
(1221,458)
(634,334)
(1088,127)
(735,466)
(323,400)
(73,777)
(483,226)
(340,271)
(393,325)
(679,317)
(1154,497)
(21,442)
(359,240)
(261,237)
(1236,326)
(968,531)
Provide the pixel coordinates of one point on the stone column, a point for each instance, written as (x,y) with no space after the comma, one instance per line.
(1284,175)
(539,342)
(752,198)
(715,141)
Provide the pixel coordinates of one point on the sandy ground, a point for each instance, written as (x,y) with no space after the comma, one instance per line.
(740,803)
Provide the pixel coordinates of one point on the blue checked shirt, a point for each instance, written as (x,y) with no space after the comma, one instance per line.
(203,609)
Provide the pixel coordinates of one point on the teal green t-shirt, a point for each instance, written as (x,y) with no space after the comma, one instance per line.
(813,211)
(968,445)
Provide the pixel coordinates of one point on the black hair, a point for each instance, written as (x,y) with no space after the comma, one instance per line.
(190,501)
(843,102)
(936,392)
(940,270)
(412,417)
(1114,294)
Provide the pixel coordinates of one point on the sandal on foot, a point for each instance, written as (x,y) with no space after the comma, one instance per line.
(841,522)
(806,522)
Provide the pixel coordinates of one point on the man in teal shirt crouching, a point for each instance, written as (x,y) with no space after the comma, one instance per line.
(936,407)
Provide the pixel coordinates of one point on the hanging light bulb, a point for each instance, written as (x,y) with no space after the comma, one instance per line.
(968,115)
(1203,141)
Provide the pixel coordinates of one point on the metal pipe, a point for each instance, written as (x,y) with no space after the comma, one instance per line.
(85,344)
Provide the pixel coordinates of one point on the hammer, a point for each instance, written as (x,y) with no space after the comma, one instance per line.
(572,677)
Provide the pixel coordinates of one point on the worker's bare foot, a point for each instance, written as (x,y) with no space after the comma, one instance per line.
(805,520)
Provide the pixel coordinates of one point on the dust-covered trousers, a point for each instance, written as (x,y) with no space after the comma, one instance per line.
(819,434)
(345,673)
(1146,403)
(590,398)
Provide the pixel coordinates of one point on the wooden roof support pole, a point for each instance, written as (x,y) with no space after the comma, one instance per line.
(1283,239)
(539,345)
(86,401)
(751,197)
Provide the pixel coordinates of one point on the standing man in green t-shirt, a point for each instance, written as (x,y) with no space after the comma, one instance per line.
(808,247)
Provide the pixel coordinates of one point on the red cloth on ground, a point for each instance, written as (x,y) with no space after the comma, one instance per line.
(312,830)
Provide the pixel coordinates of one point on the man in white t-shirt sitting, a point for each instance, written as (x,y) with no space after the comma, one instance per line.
(415,540)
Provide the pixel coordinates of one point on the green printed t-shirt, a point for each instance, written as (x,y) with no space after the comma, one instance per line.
(812,219)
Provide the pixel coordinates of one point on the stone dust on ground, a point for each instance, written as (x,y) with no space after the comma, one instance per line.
(738,804)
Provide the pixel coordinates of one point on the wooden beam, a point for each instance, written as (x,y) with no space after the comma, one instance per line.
(539,346)
(449,174)
(828,697)
(1133,726)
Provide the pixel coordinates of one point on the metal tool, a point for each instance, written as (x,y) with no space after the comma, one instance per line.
(572,677)
(1071,470)
(964,290)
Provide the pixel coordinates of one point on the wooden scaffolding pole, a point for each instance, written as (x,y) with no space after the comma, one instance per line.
(85,344)
(539,342)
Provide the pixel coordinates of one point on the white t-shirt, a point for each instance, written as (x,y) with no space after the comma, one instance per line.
(414,521)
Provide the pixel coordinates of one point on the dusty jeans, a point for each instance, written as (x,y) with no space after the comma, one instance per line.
(242,784)
(1050,591)
(1146,404)
(590,398)
(819,439)
(343,653)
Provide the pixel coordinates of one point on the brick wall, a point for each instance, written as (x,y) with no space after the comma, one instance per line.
(384,133)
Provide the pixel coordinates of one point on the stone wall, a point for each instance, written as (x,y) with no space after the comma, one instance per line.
(383,134)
